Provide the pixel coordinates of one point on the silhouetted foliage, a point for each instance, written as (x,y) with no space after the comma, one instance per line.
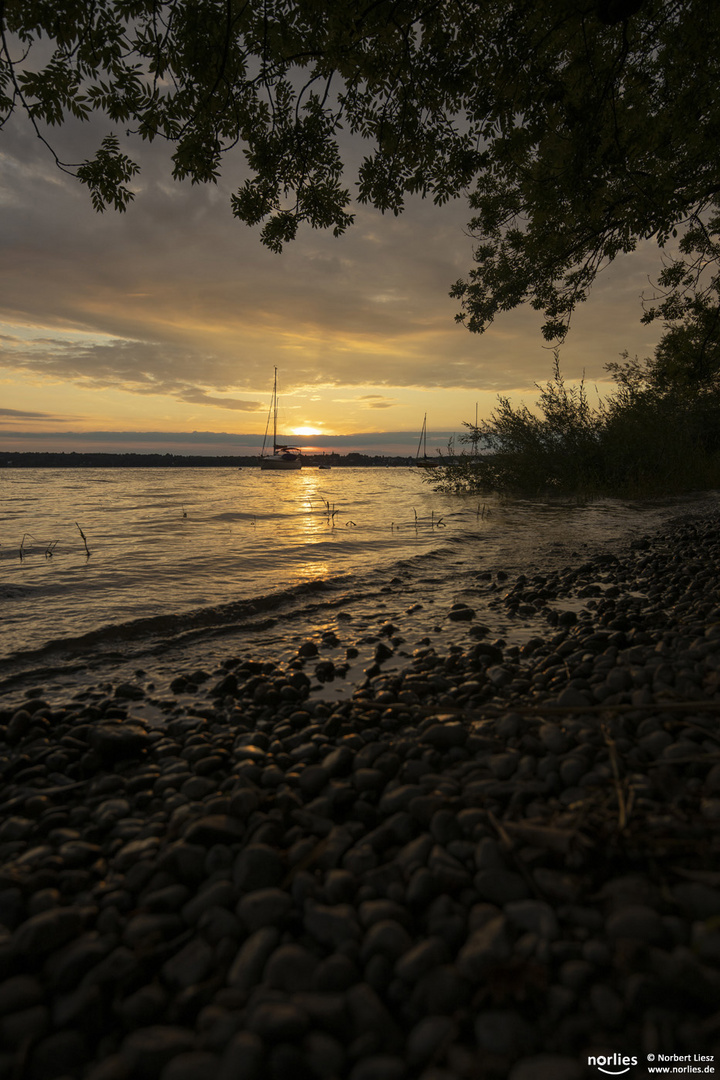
(658,433)
(574,127)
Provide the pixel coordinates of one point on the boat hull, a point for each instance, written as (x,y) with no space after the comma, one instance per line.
(278,464)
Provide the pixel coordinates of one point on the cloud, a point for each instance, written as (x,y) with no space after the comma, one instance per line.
(176,300)
(26,414)
(199,397)
(376,401)
(140,367)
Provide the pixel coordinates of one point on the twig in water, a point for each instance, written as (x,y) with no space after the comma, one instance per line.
(22,553)
(87,549)
(50,549)
(353,523)
(184,511)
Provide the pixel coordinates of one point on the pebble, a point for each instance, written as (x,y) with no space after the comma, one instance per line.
(504,1031)
(194,1065)
(46,931)
(636,921)
(263,907)
(485,949)
(425,881)
(547,1067)
(249,961)
(291,967)
(119,740)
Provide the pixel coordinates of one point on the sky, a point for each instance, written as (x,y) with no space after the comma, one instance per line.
(159,329)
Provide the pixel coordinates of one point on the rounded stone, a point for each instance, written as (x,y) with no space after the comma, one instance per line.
(423,957)
(386,937)
(428,1038)
(547,1067)
(504,1031)
(485,949)
(149,1049)
(119,740)
(292,968)
(534,916)
(277,1021)
(500,886)
(264,907)
(195,1065)
(258,866)
(636,921)
(379,1067)
(445,735)
(47,931)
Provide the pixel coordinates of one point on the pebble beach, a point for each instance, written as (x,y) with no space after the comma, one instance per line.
(500,861)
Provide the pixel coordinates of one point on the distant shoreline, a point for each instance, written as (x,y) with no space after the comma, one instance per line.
(74,460)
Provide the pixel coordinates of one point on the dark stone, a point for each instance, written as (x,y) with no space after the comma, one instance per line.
(66,966)
(215,829)
(19,992)
(119,740)
(247,967)
(291,967)
(243,1058)
(193,1065)
(47,931)
(461,613)
(227,687)
(62,1053)
(148,1050)
(264,907)
(444,735)
(278,1020)
(129,692)
(258,866)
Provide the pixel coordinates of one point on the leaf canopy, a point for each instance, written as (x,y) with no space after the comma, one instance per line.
(574,128)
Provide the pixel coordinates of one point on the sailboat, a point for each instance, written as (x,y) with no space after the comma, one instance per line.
(425,462)
(283,458)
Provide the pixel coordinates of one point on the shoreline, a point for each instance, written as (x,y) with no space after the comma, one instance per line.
(495,862)
(346,611)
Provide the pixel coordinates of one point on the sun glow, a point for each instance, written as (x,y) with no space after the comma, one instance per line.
(306,431)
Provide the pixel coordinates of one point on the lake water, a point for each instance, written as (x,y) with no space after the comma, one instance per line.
(188,567)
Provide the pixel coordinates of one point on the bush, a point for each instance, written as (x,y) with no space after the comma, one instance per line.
(643,440)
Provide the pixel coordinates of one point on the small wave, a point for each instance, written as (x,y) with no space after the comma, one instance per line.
(16,592)
(234,515)
(178,624)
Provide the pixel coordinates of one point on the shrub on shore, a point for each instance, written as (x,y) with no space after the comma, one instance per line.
(658,433)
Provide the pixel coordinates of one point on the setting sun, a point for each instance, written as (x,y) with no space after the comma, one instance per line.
(306,431)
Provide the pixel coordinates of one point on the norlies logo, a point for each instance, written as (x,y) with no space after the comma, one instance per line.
(612,1064)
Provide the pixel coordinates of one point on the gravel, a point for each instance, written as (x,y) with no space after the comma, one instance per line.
(492,863)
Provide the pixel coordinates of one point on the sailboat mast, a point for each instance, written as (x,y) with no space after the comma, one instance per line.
(423,439)
(275,412)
